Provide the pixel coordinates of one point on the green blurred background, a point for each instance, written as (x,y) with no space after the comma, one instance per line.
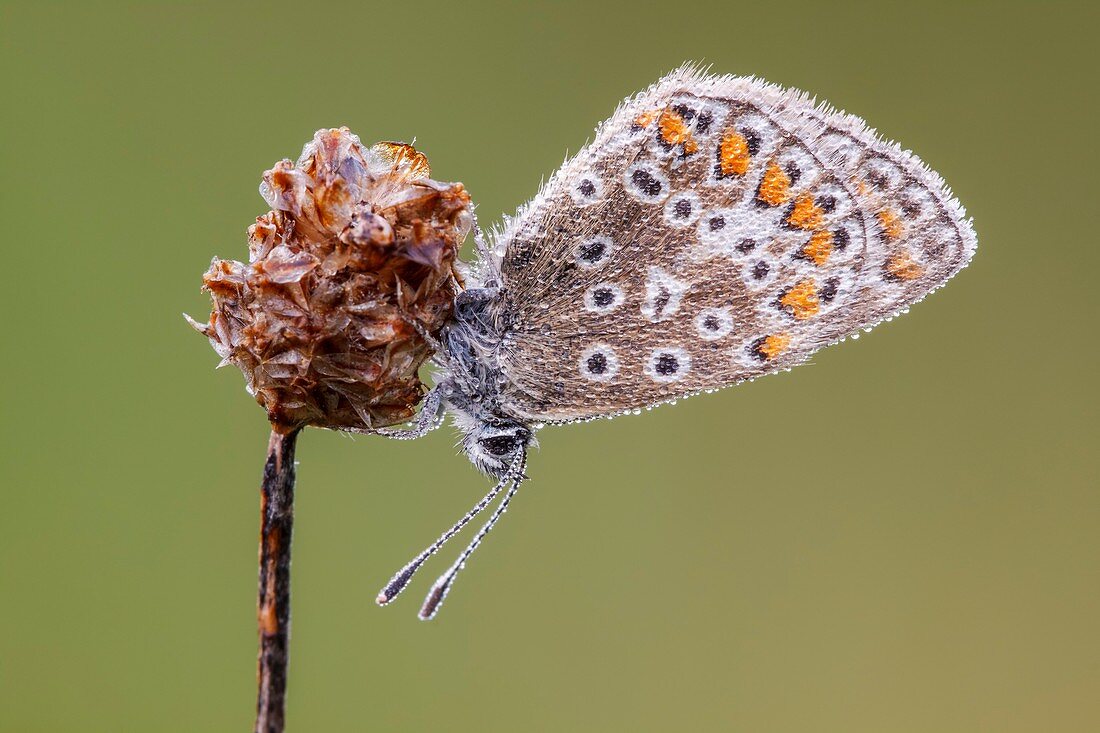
(931,562)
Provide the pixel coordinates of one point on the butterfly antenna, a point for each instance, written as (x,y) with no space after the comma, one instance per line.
(404,575)
(442,586)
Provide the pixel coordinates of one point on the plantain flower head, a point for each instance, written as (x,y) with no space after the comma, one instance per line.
(352,265)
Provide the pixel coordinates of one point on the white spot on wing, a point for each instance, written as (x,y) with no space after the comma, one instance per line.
(759,272)
(800,166)
(598,363)
(593,251)
(663,294)
(713,323)
(645,182)
(586,190)
(668,364)
(840,151)
(916,204)
(682,210)
(603,298)
(736,232)
(842,203)
(881,174)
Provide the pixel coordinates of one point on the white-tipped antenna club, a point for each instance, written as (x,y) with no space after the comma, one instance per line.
(404,575)
(442,586)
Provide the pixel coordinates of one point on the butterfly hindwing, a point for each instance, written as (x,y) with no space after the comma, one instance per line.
(715,230)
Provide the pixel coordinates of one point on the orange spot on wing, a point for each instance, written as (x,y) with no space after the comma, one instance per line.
(674,131)
(774,345)
(733,154)
(645,118)
(900,266)
(891,223)
(820,246)
(672,127)
(806,214)
(775,186)
(801,300)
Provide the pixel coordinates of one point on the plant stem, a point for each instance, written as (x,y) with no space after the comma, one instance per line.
(273,608)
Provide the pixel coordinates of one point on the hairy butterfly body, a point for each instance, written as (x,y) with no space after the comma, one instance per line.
(716,229)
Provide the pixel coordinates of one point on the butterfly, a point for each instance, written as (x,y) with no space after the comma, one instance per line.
(716,229)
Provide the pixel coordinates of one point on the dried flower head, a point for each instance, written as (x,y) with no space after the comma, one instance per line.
(358,251)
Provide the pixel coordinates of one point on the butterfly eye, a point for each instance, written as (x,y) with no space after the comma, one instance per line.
(593,252)
(668,364)
(598,363)
(501,445)
(645,182)
(713,323)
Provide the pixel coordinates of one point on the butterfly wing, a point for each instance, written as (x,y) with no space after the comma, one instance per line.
(716,229)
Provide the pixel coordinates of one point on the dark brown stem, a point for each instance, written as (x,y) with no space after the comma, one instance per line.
(273,611)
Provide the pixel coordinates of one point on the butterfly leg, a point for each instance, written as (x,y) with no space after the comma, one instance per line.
(429,418)
(429,338)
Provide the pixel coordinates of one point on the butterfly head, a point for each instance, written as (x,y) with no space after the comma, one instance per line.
(493,444)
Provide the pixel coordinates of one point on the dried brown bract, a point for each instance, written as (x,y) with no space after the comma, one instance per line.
(360,245)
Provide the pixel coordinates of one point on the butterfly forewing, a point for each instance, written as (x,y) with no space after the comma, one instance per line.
(715,230)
